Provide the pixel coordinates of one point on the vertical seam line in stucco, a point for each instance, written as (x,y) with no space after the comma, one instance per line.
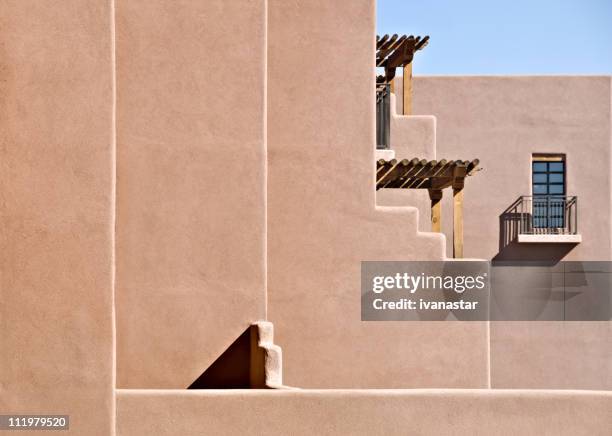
(610,162)
(488,340)
(113,217)
(265,157)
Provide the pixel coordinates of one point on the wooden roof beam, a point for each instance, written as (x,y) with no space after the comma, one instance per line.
(423,174)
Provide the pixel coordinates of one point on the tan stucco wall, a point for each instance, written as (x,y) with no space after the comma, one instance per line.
(56,194)
(502,121)
(412,136)
(190,185)
(551,355)
(191,231)
(365,412)
(322,218)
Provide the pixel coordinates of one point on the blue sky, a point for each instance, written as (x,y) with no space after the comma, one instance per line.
(505,36)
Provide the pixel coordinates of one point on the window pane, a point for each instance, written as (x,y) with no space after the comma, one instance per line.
(539,221)
(540,166)
(540,189)
(555,189)
(555,166)
(539,178)
(555,178)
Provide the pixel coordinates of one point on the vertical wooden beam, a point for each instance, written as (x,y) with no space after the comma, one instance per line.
(459,175)
(436,209)
(407,89)
(390,78)
(458,222)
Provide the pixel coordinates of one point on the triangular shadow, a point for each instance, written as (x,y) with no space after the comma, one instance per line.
(231,370)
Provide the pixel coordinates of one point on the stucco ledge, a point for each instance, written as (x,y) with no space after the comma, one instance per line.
(554,239)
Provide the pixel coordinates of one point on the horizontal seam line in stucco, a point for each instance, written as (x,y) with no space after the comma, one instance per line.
(371,392)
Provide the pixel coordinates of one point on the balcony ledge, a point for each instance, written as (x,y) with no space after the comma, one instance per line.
(553,239)
(386,154)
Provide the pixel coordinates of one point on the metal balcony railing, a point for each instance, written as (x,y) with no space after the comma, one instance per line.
(383,116)
(544,215)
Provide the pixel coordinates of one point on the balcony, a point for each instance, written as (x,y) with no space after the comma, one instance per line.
(434,176)
(393,52)
(383,116)
(543,219)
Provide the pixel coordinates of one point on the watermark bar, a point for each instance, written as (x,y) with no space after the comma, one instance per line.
(484,291)
(34,422)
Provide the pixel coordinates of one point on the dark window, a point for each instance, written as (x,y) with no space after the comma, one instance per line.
(548,188)
(548,177)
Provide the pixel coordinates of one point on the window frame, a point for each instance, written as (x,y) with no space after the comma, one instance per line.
(548,160)
(551,215)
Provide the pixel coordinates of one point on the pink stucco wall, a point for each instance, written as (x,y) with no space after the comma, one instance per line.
(412,136)
(502,121)
(56,209)
(323,221)
(221,202)
(190,185)
(365,412)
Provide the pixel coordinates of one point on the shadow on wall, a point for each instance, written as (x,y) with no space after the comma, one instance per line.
(231,370)
(241,366)
(511,250)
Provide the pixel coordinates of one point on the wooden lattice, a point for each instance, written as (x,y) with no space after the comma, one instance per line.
(396,51)
(423,174)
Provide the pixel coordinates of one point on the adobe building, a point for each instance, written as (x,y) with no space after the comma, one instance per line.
(544,151)
(188,190)
(535,136)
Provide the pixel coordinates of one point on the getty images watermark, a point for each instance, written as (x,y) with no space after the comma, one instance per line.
(480,291)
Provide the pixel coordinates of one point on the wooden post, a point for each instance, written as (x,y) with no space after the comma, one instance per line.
(436,208)
(390,78)
(407,82)
(459,175)
(458,222)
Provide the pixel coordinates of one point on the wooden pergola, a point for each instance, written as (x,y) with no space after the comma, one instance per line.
(433,175)
(398,51)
